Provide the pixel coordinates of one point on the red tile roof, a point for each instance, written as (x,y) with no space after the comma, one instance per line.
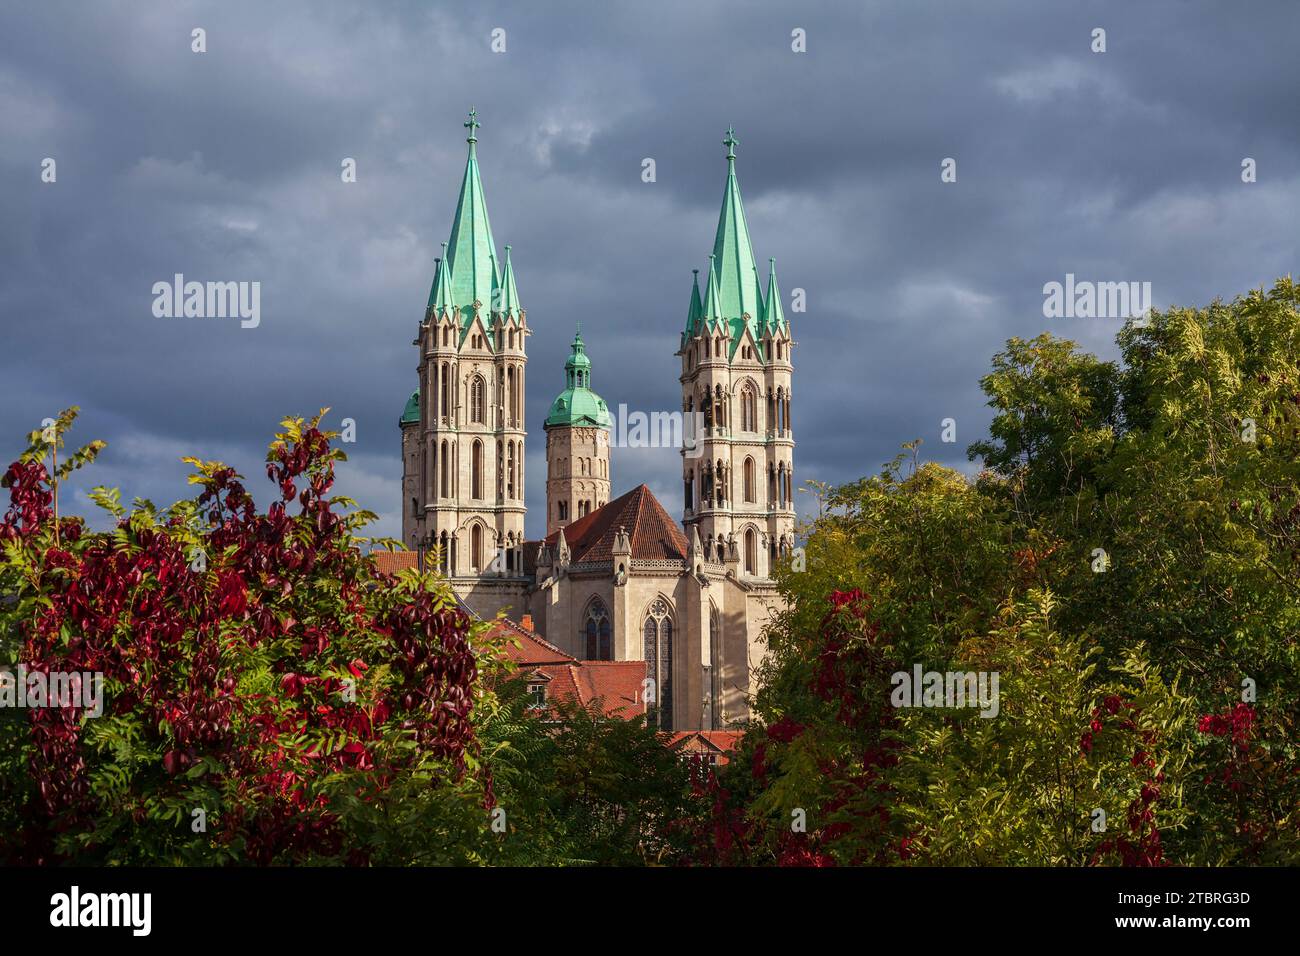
(720,742)
(532,649)
(615,684)
(390,562)
(654,535)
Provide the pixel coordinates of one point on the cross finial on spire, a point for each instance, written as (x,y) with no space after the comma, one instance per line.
(731,142)
(472,124)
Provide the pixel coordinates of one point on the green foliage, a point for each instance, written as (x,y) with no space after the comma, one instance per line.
(1127,562)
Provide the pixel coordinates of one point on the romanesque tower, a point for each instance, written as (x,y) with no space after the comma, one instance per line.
(577,445)
(736,370)
(463,429)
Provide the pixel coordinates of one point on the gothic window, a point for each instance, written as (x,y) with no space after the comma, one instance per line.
(751,551)
(510,389)
(510,473)
(476,548)
(444,401)
(501,470)
(597,631)
(789,486)
(476,400)
(748,410)
(415,507)
(562,511)
(657,635)
(476,470)
(445,472)
(749,479)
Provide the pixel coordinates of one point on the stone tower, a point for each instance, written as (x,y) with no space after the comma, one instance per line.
(577,445)
(463,429)
(736,371)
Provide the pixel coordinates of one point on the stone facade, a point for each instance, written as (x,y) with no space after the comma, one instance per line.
(613,580)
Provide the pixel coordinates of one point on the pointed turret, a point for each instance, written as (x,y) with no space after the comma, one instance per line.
(712,307)
(696,308)
(738,291)
(773,313)
(509,304)
(562,553)
(440,291)
(471,258)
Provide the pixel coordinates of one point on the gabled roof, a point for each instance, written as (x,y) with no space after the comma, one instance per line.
(720,742)
(533,650)
(615,685)
(653,534)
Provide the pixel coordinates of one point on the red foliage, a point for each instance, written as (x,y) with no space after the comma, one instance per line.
(171,640)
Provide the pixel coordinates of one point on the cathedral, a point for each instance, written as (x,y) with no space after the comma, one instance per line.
(613,580)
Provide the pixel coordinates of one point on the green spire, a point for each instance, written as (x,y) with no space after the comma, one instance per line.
(696,309)
(774,315)
(738,291)
(509,294)
(471,260)
(440,292)
(712,308)
(578,404)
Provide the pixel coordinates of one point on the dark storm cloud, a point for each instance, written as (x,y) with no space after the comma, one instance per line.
(225,166)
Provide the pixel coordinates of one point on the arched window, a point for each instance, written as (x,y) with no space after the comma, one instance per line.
(476,548)
(510,387)
(476,470)
(751,551)
(748,409)
(749,479)
(444,410)
(445,480)
(476,400)
(596,629)
(657,635)
(510,473)
(771,485)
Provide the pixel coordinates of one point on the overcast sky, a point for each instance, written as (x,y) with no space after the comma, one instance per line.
(225,165)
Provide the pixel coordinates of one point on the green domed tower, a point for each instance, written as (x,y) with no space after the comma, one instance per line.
(577,445)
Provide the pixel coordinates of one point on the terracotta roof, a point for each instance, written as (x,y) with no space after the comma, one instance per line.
(654,535)
(718,741)
(533,649)
(390,562)
(616,683)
